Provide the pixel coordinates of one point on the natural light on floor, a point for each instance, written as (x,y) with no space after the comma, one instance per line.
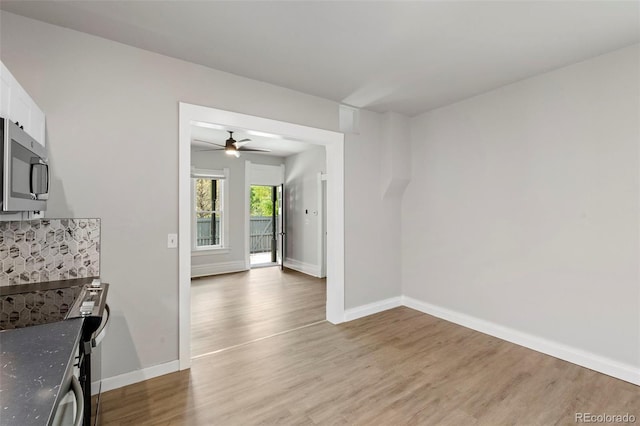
(261,258)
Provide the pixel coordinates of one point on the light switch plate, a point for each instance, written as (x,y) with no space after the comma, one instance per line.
(172,240)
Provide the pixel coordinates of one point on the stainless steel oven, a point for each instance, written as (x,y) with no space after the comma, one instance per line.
(24,170)
(78,407)
(84,300)
(91,305)
(71,409)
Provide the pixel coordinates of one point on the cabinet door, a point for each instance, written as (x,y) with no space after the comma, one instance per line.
(5,92)
(19,107)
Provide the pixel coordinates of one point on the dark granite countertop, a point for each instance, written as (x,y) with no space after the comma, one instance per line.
(35,368)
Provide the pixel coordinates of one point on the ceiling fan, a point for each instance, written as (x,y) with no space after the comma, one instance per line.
(232,147)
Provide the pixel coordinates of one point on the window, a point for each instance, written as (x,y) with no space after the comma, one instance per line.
(208,209)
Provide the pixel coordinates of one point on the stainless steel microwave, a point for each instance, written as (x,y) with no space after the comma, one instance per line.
(24,170)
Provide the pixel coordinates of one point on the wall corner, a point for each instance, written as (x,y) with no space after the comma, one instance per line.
(395,164)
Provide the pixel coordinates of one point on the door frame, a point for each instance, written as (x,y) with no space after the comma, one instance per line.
(247,214)
(279,221)
(249,182)
(334,145)
(321,181)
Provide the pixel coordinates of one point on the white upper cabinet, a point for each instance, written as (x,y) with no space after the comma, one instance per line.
(17,106)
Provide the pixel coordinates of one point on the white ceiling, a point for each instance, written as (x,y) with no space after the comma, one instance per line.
(278,146)
(407,57)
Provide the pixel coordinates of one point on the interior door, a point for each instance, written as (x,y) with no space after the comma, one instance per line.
(281,224)
(323,266)
(274,224)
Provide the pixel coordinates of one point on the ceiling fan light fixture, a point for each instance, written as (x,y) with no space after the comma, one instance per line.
(232,150)
(231,146)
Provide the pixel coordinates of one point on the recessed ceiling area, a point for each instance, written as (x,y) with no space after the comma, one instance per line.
(278,146)
(407,57)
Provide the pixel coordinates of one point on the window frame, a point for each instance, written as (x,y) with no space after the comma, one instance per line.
(222,176)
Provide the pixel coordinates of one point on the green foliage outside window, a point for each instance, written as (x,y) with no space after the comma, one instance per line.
(261,203)
(208,209)
(204,203)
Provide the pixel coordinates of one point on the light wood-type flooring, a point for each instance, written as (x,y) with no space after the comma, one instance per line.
(399,367)
(231,309)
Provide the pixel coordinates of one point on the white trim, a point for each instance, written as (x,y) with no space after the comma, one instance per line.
(335,231)
(224,241)
(193,214)
(197,252)
(217,268)
(247,214)
(372,308)
(184,237)
(305,268)
(281,224)
(334,143)
(320,228)
(222,175)
(323,225)
(577,356)
(136,376)
(210,173)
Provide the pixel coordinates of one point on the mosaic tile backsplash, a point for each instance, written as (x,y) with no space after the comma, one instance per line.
(43,250)
(37,307)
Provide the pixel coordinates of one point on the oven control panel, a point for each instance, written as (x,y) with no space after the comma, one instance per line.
(91,301)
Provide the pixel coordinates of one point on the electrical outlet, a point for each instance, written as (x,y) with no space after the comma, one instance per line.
(172,240)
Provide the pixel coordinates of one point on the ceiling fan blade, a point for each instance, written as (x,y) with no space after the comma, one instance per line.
(208,149)
(254,149)
(210,143)
(244,140)
(241,143)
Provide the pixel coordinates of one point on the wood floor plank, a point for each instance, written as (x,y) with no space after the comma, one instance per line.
(399,367)
(231,309)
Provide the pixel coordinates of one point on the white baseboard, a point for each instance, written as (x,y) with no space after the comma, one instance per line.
(139,375)
(305,268)
(372,308)
(217,268)
(626,372)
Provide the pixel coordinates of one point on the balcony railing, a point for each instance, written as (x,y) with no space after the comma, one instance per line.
(204,235)
(260,233)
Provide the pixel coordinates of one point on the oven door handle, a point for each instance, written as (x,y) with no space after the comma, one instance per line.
(102,330)
(77,391)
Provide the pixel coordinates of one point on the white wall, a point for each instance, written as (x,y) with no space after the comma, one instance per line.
(372,225)
(302,209)
(112,131)
(523,207)
(206,263)
(395,172)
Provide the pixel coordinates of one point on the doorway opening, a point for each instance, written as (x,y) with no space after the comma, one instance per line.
(265,226)
(334,145)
